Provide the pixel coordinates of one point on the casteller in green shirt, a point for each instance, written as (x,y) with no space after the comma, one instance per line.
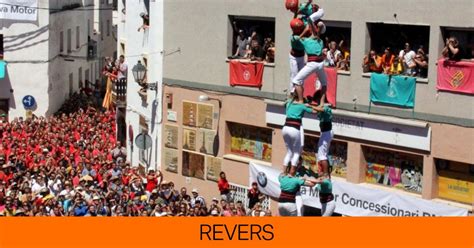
(290,184)
(313,46)
(297,110)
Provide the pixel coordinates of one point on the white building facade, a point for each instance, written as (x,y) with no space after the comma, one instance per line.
(142,111)
(51,54)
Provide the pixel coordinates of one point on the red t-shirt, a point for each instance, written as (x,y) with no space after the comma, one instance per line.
(151,184)
(223,186)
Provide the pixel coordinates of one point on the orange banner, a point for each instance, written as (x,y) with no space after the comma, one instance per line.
(236,232)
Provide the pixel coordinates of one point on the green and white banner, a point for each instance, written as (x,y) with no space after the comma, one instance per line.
(393,90)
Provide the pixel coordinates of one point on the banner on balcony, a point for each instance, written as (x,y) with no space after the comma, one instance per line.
(393,90)
(310,85)
(245,74)
(23,10)
(456,76)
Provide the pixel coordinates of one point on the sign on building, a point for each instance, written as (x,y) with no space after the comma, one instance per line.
(22,10)
(356,200)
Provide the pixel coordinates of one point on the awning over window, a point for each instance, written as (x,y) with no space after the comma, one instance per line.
(2,69)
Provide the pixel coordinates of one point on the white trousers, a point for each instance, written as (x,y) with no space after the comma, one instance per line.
(296,64)
(309,68)
(327,209)
(323,145)
(292,138)
(317,15)
(287,209)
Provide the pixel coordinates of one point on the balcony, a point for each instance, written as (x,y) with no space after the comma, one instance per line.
(119,93)
(91,49)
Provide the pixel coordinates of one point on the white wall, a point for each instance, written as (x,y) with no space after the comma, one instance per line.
(136,48)
(68,63)
(35,66)
(26,53)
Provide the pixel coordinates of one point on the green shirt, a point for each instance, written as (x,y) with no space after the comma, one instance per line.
(326,115)
(296,43)
(325,187)
(290,184)
(296,110)
(313,46)
(306,12)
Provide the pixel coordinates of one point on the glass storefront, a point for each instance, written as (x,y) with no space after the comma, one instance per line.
(394,169)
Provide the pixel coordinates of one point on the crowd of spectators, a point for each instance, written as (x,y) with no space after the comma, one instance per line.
(409,62)
(404,62)
(71,164)
(251,46)
(337,55)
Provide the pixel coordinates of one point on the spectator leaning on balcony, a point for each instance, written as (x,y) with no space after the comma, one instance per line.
(396,67)
(242,43)
(269,48)
(122,68)
(257,53)
(407,56)
(372,62)
(421,60)
(452,50)
(146,21)
(387,60)
(333,55)
(344,62)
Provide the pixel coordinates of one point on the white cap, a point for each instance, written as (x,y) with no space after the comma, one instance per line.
(194,190)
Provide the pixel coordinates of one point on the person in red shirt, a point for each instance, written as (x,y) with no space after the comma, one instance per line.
(152,180)
(224,187)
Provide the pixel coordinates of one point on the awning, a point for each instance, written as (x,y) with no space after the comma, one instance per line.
(2,68)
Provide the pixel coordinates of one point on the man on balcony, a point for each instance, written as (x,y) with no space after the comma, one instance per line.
(122,69)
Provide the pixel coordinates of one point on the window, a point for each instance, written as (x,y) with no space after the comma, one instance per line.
(122,48)
(79,75)
(108,27)
(4,108)
(101,30)
(92,73)
(338,44)
(409,45)
(78,37)
(263,29)
(61,42)
(143,128)
(337,156)
(250,141)
(87,78)
(465,37)
(69,40)
(455,181)
(394,169)
(71,84)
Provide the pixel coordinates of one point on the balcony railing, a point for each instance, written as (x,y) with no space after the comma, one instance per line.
(119,92)
(91,49)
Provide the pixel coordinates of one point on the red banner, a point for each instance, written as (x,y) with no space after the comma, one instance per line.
(245,73)
(310,85)
(456,76)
